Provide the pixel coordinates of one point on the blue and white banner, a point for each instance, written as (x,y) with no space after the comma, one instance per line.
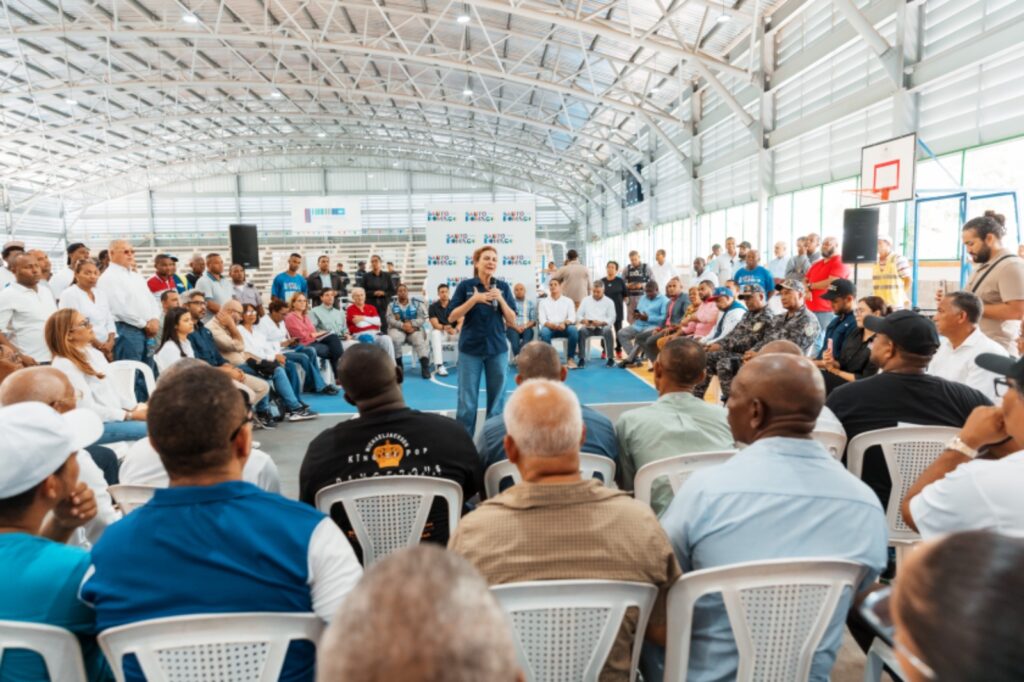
(327,216)
(455,231)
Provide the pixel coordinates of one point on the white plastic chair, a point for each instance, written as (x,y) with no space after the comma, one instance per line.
(388,513)
(833,441)
(590,465)
(565,629)
(908,451)
(778,610)
(676,469)
(58,648)
(240,647)
(585,351)
(131,497)
(880,655)
(122,374)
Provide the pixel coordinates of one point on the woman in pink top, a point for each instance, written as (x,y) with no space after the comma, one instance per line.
(301,328)
(702,322)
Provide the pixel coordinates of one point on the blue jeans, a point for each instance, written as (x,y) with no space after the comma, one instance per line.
(306,358)
(130,344)
(471,367)
(569,332)
(114,432)
(281,385)
(517,340)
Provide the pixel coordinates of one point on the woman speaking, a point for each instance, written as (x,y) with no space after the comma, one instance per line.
(487,305)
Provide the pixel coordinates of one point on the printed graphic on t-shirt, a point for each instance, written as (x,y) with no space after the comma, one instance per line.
(391,454)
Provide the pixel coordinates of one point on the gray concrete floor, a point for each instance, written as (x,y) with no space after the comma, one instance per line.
(287,445)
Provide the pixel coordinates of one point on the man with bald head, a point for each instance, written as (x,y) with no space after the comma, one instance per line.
(538,360)
(97,466)
(25,306)
(388,439)
(136,312)
(557,526)
(678,423)
(783,496)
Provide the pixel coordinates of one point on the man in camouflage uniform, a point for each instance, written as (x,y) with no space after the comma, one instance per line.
(797,324)
(726,356)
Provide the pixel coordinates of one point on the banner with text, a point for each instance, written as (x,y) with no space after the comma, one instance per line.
(327,216)
(455,231)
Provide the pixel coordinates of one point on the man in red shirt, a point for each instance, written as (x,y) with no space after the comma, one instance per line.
(820,275)
(164,279)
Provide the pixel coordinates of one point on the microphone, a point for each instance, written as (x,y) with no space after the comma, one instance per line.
(494,303)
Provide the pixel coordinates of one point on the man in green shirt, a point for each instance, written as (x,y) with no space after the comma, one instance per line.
(328,318)
(676,424)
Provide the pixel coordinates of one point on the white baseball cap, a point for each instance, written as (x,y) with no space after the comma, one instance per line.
(37,440)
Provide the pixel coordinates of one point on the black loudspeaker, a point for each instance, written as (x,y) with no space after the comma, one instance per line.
(860,235)
(245,247)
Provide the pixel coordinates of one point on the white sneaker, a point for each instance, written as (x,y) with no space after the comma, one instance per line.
(442,371)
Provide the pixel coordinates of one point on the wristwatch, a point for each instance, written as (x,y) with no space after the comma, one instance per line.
(957,445)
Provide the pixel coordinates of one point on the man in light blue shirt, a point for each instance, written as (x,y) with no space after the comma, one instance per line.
(782,497)
(650,312)
(538,360)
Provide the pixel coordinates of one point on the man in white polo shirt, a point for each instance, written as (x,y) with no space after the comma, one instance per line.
(976,482)
(556,317)
(597,318)
(957,322)
(25,306)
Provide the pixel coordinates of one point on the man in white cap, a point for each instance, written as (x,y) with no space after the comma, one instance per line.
(10,250)
(42,502)
(891,275)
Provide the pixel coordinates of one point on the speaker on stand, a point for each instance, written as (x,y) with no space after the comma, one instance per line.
(245,248)
(860,237)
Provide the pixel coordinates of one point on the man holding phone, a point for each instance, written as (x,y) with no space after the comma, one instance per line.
(842,295)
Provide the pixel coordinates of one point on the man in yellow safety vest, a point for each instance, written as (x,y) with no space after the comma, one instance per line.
(890,275)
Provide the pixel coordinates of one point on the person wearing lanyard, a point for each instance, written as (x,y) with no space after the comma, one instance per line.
(487,305)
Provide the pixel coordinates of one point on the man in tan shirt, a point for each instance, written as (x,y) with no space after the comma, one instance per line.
(998,279)
(556,526)
(575,278)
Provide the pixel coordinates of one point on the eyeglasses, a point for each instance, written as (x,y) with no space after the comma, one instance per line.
(84,324)
(247,420)
(1002,386)
(875,609)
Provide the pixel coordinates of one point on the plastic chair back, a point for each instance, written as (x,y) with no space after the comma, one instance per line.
(240,647)
(122,374)
(564,630)
(590,465)
(56,646)
(388,513)
(131,497)
(778,610)
(908,451)
(676,469)
(833,441)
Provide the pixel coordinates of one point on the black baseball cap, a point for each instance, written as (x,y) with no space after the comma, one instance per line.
(839,288)
(912,332)
(1011,368)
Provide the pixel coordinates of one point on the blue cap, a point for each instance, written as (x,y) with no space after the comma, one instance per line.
(723,291)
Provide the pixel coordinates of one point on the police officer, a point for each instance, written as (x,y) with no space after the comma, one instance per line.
(798,324)
(726,356)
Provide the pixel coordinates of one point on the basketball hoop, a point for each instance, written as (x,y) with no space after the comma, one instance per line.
(887,171)
(877,194)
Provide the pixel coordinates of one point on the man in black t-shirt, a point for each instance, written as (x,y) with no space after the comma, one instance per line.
(441,330)
(388,439)
(380,289)
(902,393)
(615,289)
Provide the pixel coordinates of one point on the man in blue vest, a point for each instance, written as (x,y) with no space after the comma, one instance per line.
(211,543)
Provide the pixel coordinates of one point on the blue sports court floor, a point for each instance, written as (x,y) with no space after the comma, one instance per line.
(595,384)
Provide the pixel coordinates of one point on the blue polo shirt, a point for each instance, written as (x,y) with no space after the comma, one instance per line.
(483,330)
(837,330)
(760,275)
(224,548)
(39,582)
(204,346)
(780,498)
(285,285)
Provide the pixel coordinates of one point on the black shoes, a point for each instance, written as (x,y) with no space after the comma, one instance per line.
(424,368)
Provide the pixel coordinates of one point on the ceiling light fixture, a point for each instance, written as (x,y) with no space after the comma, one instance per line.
(723,19)
(71,102)
(189,18)
(321,134)
(275,94)
(395,164)
(468,92)
(462,19)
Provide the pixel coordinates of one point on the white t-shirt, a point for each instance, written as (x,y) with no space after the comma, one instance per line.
(142,466)
(170,354)
(663,274)
(93,393)
(982,494)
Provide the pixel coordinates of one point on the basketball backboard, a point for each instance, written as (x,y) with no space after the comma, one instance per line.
(887,170)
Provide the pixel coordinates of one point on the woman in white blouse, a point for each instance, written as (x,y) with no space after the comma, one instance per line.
(174,345)
(69,336)
(84,297)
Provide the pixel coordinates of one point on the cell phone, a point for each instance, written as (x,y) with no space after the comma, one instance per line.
(830,345)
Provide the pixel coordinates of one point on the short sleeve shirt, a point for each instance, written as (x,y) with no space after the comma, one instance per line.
(1005,283)
(439,311)
(820,270)
(285,285)
(759,275)
(483,328)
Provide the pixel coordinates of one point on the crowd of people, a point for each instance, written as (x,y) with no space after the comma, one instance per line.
(792,349)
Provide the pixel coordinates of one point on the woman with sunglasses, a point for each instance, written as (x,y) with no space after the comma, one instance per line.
(854,359)
(69,337)
(954,614)
(84,297)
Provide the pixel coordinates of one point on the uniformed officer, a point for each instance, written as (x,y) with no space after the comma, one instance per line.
(726,356)
(798,324)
